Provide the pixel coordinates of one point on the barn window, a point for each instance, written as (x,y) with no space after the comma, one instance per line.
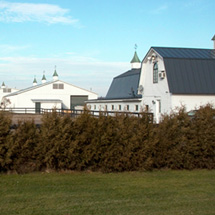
(61,86)
(55,86)
(127,107)
(155,73)
(120,107)
(6,90)
(112,107)
(58,86)
(136,107)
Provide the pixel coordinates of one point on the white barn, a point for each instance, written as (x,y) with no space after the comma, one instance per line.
(48,95)
(168,78)
(171,77)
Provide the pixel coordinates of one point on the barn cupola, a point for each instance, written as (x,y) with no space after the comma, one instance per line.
(135,62)
(34,82)
(213,40)
(55,75)
(44,78)
(3,85)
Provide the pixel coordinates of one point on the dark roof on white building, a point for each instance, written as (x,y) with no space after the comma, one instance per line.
(189,71)
(125,85)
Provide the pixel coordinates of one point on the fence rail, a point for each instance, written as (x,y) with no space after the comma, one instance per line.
(75,112)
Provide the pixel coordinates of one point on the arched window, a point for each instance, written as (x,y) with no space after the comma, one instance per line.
(155,73)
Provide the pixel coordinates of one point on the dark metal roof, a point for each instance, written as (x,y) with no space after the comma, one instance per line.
(188,70)
(125,85)
(190,76)
(186,53)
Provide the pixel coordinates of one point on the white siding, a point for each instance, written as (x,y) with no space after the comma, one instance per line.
(155,95)
(107,106)
(192,102)
(2,93)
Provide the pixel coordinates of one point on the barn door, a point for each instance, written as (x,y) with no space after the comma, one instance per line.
(37,107)
(77,101)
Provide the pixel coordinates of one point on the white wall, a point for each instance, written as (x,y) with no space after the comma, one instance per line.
(48,105)
(192,102)
(155,93)
(2,94)
(100,106)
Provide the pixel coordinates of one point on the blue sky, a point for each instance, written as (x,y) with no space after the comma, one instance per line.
(91,41)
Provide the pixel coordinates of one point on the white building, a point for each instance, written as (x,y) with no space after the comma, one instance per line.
(5,90)
(48,95)
(172,77)
(168,78)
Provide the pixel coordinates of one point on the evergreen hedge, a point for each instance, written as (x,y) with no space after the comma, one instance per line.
(5,122)
(109,143)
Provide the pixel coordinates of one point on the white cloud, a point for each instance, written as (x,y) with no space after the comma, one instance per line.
(6,49)
(160,9)
(29,12)
(84,72)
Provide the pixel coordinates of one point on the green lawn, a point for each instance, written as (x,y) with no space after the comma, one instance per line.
(157,192)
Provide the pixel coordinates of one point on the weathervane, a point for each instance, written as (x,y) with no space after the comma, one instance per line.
(135,47)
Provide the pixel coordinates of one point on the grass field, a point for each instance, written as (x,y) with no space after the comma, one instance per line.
(150,193)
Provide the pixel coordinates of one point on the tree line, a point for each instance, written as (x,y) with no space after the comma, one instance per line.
(109,144)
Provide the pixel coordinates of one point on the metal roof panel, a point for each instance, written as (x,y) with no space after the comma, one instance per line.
(186,53)
(125,85)
(190,76)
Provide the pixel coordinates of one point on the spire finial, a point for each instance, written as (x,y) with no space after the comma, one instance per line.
(135,62)
(35,81)
(135,46)
(55,75)
(3,85)
(44,77)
